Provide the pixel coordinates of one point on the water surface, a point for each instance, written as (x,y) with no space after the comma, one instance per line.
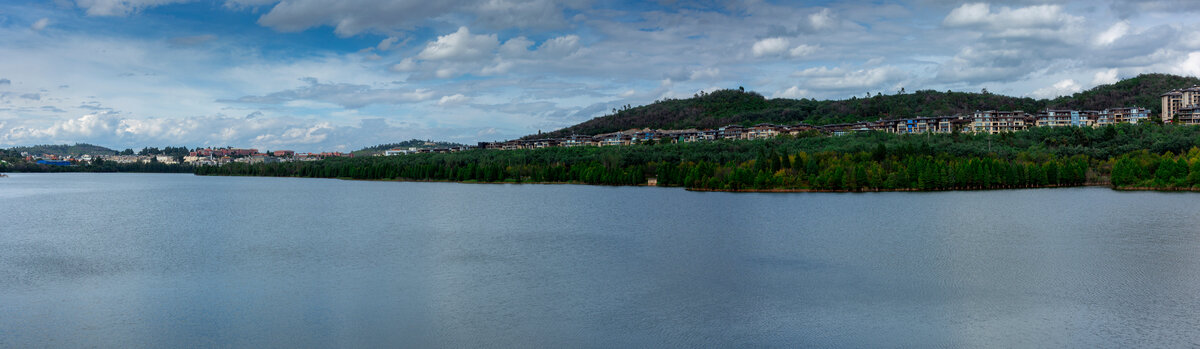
(151,260)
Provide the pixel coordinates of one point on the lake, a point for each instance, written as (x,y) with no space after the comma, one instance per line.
(157,260)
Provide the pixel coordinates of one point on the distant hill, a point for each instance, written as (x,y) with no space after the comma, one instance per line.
(412,143)
(1142,91)
(724,107)
(64,149)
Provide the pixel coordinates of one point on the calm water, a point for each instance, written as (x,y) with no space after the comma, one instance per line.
(132,260)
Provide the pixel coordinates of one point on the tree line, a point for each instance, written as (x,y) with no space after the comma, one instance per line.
(864,161)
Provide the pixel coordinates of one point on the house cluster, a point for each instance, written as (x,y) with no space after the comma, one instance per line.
(207,156)
(222,156)
(990,121)
(415,150)
(1182,103)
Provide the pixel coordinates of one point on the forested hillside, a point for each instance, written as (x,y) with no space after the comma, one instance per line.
(724,107)
(412,143)
(65,149)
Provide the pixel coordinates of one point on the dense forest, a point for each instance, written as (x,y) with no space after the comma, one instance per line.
(724,107)
(1132,154)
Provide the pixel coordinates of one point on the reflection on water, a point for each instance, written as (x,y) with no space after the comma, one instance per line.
(127,260)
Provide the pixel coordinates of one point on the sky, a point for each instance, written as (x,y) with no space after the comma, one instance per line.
(320,75)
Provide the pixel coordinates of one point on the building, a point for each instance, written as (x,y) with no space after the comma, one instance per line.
(994,122)
(1189,115)
(1063,118)
(166,159)
(283,153)
(398,151)
(936,124)
(1127,115)
(54,162)
(1176,100)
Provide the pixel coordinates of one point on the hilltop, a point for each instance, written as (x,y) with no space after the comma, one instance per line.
(77,149)
(412,143)
(724,107)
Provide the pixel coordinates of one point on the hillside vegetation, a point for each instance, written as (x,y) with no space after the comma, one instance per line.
(1135,156)
(724,107)
(412,143)
(64,149)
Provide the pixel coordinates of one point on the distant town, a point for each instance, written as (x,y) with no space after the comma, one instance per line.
(198,157)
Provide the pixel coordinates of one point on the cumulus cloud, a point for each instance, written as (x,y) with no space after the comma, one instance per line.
(1061,88)
(455,99)
(843,79)
(560,46)
(40,24)
(1105,77)
(1113,33)
(769,46)
(459,45)
(1047,22)
(793,92)
(822,19)
(779,46)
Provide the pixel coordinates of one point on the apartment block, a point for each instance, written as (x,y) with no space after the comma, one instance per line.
(993,122)
(1176,100)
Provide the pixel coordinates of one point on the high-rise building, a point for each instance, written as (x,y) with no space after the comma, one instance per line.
(1175,100)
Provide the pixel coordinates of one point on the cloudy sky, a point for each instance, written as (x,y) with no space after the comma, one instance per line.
(313,75)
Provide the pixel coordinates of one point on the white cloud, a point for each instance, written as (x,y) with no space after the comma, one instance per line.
(769,47)
(560,46)
(516,47)
(842,79)
(706,73)
(405,65)
(40,24)
(822,19)
(1108,37)
(803,50)
(1105,77)
(387,44)
(351,17)
(459,45)
(793,92)
(1190,65)
(455,99)
(1046,22)
(1061,88)
(120,7)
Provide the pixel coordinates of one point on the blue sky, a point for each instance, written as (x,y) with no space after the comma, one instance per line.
(313,75)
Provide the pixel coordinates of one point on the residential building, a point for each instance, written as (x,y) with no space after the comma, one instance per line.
(1176,100)
(994,122)
(762,131)
(1127,115)
(1189,115)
